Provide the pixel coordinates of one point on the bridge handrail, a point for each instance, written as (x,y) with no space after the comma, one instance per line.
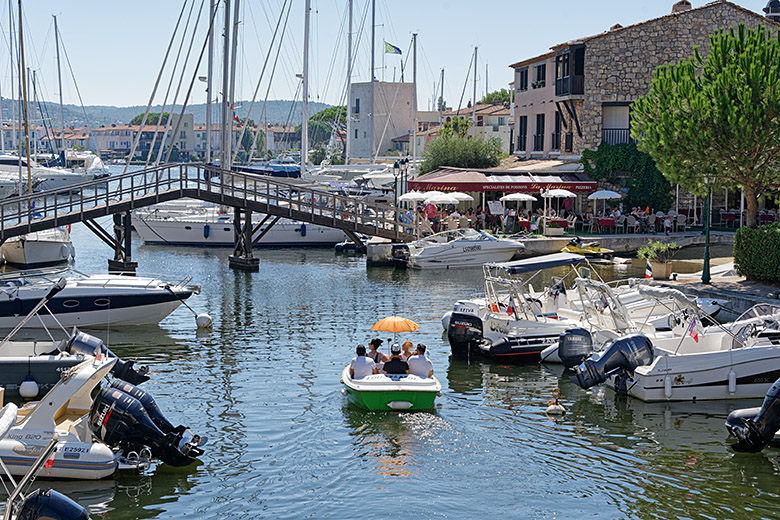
(145,187)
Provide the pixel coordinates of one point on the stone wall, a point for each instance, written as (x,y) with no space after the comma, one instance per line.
(619,65)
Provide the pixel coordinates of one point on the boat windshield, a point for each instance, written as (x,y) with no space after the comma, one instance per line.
(762,310)
(450,235)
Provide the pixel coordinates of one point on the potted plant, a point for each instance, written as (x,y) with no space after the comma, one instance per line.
(553,229)
(659,254)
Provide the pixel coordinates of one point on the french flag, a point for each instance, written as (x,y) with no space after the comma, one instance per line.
(511,308)
(648,270)
(692,332)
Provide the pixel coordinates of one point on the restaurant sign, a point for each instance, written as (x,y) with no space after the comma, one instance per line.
(508,187)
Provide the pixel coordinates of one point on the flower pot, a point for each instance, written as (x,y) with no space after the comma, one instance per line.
(661,270)
(553,232)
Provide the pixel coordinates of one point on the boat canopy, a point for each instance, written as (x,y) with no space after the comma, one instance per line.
(660,293)
(539,262)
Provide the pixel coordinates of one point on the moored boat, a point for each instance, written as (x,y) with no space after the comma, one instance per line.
(387,392)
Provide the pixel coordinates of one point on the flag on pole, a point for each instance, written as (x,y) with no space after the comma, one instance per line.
(392,49)
(235,117)
(692,332)
(511,308)
(648,270)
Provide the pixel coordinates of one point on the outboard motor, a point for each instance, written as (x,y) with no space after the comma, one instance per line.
(754,428)
(82,343)
(50,505)
(623,355)
(574,347)
(148,402)
(121,420)
(463,333)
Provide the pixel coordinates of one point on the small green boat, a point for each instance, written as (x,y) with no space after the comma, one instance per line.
(382,392)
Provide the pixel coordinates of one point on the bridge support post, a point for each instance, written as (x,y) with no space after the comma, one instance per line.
(122,261)
(242,258)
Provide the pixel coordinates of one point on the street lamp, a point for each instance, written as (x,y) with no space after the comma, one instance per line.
(404,179)
(396,172)
(705,273)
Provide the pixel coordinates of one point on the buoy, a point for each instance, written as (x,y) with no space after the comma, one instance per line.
(29,388)
(203,321)
(555,407)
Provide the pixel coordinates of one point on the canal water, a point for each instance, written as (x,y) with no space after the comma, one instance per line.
(284,443)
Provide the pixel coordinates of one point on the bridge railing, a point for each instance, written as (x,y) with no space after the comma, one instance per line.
(145,187)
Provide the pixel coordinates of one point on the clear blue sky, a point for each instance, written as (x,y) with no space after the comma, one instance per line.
(116,48)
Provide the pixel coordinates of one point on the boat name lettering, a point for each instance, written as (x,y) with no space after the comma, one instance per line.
(465,309)
(498,327)
(77,449)
(468,249)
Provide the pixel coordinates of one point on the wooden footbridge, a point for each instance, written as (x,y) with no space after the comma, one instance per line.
(246,193)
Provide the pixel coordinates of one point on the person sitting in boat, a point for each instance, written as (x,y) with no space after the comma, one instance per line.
(406,350)
(361,366)
(420,365)
(396,365)
(373,353)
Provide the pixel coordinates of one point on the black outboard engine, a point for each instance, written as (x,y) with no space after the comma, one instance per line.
(463,333)
(623,355)
(574,347)
(121,420)
(82,343)
(148,402)
(50,505)
(754,428)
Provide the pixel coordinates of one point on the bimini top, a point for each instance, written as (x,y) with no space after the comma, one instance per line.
(538,263)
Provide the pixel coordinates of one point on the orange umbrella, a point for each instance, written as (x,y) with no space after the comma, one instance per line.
(395,324)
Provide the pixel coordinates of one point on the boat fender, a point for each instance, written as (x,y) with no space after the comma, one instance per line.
(63,251)
(303,229)
(732,381)
(206,230)
(29,388)
(72,251)
(668,387)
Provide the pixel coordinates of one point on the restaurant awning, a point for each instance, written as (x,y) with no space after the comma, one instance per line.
(508,181)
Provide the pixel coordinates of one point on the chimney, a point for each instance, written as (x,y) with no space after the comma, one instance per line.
(616,27)
(682,5)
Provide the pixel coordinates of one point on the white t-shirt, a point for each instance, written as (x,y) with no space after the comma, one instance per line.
(419,365)
(362,366)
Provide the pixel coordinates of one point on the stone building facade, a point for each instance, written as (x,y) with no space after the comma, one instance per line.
(594,80)
(393,116)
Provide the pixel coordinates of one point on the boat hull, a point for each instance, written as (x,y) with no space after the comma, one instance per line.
(382,393)
(36,253)
(451,260)
(72,459)
(219,233)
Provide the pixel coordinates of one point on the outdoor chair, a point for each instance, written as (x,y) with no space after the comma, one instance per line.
(594,225)
(464,222)
(452,223)
(620,222)
(681,222)
(632,224)
(651,222)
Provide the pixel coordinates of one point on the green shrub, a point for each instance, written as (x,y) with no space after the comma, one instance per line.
(757,253)
(461,152)
(656,251)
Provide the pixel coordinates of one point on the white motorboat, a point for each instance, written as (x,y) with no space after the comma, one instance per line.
(40,504)
(695,363)
(88,301)
(43,178)
(458,248)
(207,225)
(39,249)
(121,428)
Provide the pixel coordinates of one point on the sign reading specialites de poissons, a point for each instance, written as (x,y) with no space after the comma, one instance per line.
(510,187)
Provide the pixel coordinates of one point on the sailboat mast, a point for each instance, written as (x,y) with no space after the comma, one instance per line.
(224,153)
(59,81)
(414,97)
(474,102)
(209,82)
(22,80)
(233,61)
(305,95)
(349,85)
(371,103)
(441,96)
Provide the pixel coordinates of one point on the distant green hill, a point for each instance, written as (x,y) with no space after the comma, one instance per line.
(277,111)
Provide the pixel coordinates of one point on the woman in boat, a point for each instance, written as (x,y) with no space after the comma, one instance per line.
(374,354)
(407,350)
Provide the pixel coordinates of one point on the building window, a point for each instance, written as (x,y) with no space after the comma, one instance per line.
(522,131)
(356,110)
(182,135)
(539,135)
(522,79)
(501,121)
(540,73)
(185,124)
(356,134)
(556,136)
(480,121)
